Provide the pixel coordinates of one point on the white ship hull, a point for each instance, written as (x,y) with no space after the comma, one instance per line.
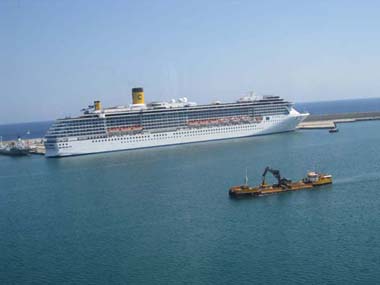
(275,124)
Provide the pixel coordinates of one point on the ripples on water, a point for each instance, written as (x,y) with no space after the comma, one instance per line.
(164,216)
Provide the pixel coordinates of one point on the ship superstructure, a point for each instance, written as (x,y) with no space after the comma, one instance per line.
(141,125)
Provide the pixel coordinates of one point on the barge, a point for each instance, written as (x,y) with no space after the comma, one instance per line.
(313,179)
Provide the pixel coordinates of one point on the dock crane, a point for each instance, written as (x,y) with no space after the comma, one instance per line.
(281,181)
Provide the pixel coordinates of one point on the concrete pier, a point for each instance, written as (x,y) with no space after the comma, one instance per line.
(328,121)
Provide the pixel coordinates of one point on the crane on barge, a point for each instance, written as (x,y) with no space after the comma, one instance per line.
(281,181)
(313,179)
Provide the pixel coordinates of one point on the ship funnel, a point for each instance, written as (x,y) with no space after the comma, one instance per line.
(138,96)
(97,105)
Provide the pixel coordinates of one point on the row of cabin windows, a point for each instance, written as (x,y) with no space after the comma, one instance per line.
(157,122)
(177,116)
(180,134)
(220,128)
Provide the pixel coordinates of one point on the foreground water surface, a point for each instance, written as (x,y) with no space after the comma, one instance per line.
(164,216)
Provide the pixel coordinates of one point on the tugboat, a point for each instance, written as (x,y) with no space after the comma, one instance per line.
(312,179)
(18,148)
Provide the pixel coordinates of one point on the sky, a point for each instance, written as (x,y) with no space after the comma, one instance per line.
(57,57)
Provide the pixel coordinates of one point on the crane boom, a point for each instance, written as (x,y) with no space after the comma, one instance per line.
(276,174)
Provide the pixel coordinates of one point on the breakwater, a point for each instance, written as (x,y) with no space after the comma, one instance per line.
(329,120)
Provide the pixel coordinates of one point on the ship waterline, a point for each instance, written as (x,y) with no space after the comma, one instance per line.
(161,124)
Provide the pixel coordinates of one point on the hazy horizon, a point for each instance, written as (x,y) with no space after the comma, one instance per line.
(58,57)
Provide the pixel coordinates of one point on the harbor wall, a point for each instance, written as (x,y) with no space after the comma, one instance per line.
(328,121)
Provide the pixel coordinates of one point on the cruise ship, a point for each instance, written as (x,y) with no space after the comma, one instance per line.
(142,125)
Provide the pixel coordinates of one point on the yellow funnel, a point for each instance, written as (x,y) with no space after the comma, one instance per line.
(138,96)
(97,105)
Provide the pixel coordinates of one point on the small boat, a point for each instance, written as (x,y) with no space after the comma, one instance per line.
(334,129)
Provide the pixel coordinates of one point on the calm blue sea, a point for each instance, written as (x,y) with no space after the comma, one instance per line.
(340,106)
(24,130)
(163,215)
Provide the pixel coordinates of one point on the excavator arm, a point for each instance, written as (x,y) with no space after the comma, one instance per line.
(276,174)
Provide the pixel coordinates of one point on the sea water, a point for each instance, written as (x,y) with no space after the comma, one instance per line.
(163,215)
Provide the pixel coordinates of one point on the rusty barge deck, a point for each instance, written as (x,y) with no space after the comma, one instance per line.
(261,191)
